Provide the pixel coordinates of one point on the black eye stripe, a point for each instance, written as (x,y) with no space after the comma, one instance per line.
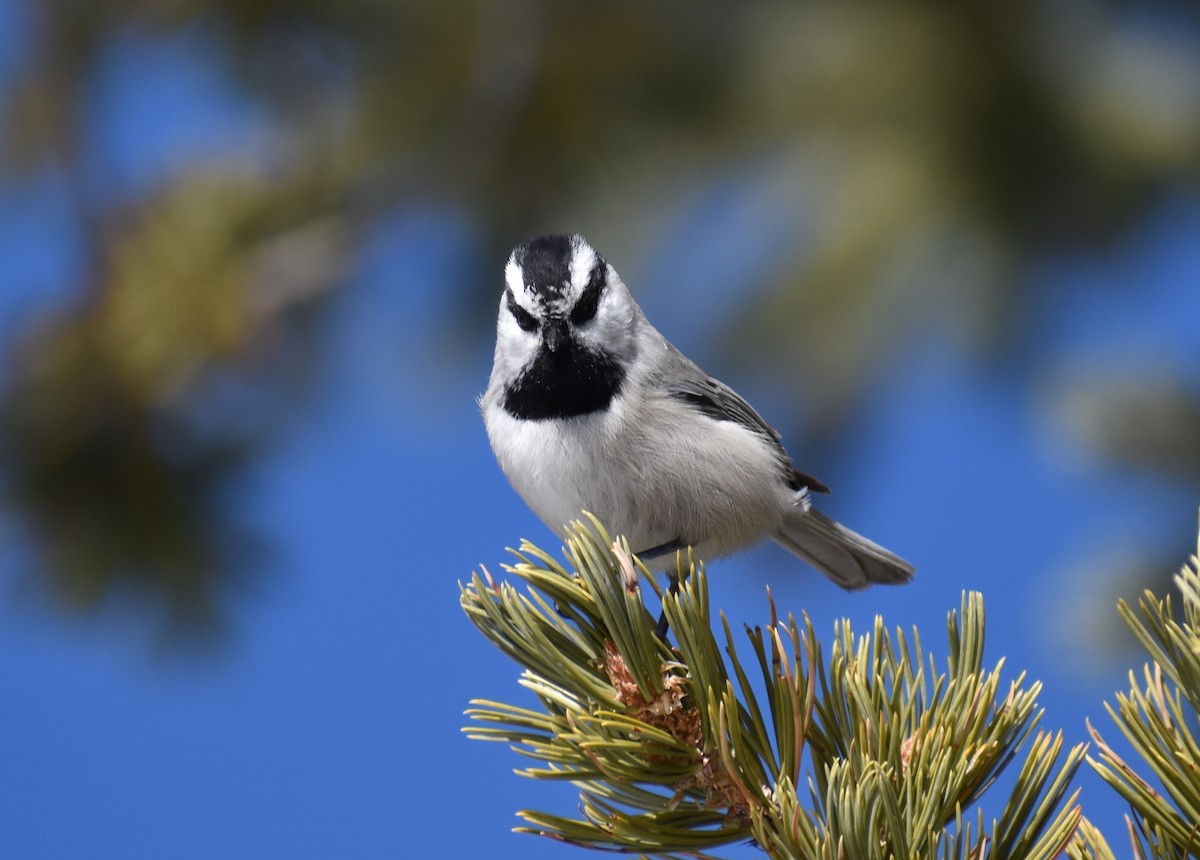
(524,318)
(585,309)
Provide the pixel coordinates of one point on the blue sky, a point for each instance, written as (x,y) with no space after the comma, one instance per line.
(330,724)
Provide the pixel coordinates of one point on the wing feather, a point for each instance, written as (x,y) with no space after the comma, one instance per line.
(718,401)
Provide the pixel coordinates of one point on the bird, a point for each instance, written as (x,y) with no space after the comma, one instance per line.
(590,409)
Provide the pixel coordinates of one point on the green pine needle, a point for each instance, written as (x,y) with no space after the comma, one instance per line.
(1157,716)
(680,750)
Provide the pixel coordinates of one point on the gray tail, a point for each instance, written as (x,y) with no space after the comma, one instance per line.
(846,557)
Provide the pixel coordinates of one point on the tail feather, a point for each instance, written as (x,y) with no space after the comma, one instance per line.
(846,557)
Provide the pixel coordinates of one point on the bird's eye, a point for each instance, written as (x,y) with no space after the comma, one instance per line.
(585,309)
(524,318)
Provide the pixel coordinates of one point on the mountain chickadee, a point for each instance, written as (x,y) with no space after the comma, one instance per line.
(590,408)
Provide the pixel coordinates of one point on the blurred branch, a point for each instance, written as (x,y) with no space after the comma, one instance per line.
(1148,420)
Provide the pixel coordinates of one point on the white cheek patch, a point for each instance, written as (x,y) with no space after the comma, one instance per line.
(510,330)
(515,347)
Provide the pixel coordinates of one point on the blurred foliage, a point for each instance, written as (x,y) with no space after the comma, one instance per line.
(912,159)
(127,418)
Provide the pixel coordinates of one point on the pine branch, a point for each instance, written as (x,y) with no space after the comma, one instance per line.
(1156,717)
(680,750)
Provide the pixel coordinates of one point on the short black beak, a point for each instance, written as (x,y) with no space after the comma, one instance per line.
(555,333)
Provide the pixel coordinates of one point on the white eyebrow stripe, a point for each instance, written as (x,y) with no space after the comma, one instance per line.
(514,278)
(583,260)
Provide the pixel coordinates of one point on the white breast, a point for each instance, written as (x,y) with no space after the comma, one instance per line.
(555,465)
(652,471)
